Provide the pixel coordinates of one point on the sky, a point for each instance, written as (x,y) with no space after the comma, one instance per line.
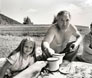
(43,11)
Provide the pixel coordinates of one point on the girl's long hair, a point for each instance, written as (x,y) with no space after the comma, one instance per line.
(20,49)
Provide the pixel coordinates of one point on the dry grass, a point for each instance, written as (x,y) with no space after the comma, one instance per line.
(9,43)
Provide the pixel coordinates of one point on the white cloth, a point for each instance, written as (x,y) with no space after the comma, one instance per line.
(19,63)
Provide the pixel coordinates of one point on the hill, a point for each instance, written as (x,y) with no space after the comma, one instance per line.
(5,20)
(33,30)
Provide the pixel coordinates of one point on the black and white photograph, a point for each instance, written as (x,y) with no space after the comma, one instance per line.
(45,39)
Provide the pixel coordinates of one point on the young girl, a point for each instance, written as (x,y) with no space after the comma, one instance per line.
(21,58)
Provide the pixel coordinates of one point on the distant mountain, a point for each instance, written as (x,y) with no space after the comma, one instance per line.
(4,20)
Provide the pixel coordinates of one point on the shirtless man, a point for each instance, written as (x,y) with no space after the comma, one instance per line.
(59,34)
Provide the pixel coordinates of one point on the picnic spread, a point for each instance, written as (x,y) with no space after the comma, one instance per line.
(73,70)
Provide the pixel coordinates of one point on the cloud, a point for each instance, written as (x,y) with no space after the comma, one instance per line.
(42,3)
(88,3)
(31,10)
(0,5)
(84,3)
(72,8)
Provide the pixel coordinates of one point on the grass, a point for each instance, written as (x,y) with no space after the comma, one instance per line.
(9,43)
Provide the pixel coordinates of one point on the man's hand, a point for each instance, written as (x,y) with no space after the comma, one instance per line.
(51,51)
(73,47)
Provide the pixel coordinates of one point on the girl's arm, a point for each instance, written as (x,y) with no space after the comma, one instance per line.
(4,68)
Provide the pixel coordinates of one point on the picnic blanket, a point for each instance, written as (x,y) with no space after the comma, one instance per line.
(80,70)
(76,70)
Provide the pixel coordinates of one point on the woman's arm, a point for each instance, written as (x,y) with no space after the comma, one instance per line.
(86,44)
(4,68)
(87,49)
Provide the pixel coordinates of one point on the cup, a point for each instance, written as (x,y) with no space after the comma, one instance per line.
(53,64)
(60,56)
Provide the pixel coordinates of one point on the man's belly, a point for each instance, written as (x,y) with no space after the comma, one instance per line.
(58,48)
(59,45)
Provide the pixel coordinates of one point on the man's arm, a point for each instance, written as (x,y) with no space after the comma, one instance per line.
(49,35)
(78,38)
(77,34)
(48,39)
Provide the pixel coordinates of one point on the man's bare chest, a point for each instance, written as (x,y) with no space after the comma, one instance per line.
(62,37)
